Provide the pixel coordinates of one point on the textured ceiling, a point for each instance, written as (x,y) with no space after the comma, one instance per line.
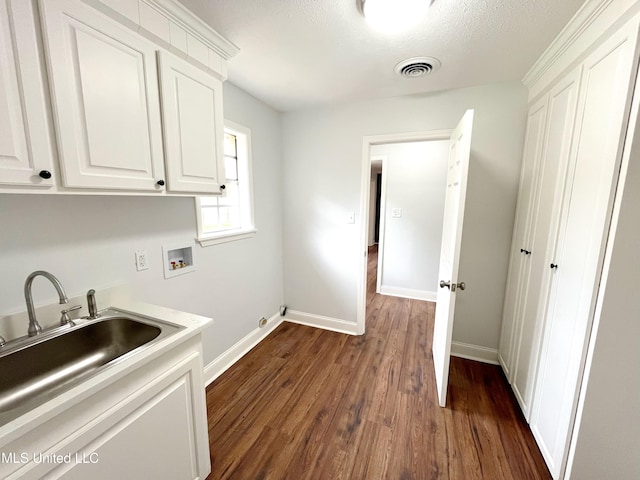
(297,54)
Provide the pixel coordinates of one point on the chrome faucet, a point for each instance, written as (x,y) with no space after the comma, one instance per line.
(34,326)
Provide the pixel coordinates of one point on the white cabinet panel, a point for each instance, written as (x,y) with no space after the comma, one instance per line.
(193,126)
(105,97)
(117,452)
(561,112)
(25,148)
(519,261)
(605,93)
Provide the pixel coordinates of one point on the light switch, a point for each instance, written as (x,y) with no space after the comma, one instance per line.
(351,217)
(396,212)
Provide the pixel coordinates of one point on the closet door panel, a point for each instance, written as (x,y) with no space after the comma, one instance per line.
(602,112)
(553,166)
(519,260)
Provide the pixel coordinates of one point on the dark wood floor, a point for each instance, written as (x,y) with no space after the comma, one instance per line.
(312,404)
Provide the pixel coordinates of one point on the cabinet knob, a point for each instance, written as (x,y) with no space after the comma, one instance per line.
(160,182)
(222,187)
(46,174)
(526,252)
(553,265)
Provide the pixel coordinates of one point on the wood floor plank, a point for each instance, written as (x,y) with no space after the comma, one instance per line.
(312,404)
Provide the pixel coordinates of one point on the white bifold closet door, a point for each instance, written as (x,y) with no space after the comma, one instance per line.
(576,261)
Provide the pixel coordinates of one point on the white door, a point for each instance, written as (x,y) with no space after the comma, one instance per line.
(104,90)
(459,152)
(544,220)
(193,126)
(575,267)
(520,248)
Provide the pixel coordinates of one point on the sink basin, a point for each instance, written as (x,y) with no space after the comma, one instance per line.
(40,368)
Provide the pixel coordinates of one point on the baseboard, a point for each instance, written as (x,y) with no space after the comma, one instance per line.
(409,293)
(225,360)
(318,321)
(475,352)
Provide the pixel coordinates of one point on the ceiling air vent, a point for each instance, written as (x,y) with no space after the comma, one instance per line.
(417,67)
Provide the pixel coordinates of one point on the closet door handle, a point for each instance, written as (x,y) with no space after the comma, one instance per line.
(553,265)
(526,252)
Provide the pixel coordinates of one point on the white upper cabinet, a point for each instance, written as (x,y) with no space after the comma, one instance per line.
(193,126)
(25,144)
(107,108)
(105,99)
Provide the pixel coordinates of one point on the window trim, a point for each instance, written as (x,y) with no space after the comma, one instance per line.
(245,170)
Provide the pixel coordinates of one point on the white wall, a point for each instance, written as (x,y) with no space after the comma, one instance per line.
(322,155)
(89,242)
(416,184)
(607,441)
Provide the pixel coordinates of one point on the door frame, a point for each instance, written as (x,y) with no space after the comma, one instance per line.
(365,185)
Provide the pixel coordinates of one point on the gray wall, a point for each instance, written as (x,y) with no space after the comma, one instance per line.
(89,242)
(322,155)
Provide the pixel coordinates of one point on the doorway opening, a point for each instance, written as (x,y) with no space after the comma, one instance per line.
(397,230)
(457,167)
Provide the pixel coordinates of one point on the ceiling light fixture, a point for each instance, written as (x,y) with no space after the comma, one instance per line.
(393,16)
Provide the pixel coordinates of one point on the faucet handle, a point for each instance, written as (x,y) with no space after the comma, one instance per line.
(64,315)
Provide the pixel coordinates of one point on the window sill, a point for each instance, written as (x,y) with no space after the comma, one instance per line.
(224,237)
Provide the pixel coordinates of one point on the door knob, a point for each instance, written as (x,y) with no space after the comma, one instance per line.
(452,286)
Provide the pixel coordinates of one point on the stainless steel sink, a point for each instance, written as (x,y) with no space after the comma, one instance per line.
(34,370)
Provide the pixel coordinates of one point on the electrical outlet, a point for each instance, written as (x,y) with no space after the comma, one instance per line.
(141,260)
(262,322)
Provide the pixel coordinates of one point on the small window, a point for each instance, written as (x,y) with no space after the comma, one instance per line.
(229,216)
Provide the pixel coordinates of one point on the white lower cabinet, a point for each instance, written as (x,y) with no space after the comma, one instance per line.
(151,423)
(117,452)
(553,283)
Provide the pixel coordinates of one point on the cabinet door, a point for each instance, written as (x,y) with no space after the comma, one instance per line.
(561,115)
(128,451)
(25,145)
(193,126)
(519,261)
(603,104)
(105,96)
